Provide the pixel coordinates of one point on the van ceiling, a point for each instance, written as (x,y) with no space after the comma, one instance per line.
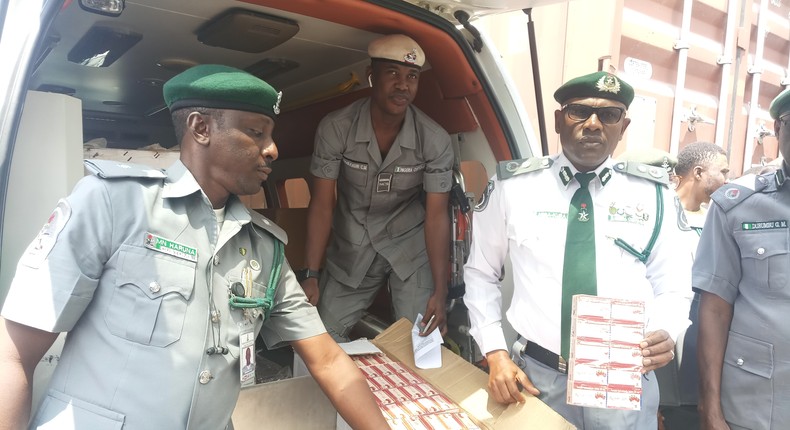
(328,51)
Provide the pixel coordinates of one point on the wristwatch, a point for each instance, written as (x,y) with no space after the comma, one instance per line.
(303,274)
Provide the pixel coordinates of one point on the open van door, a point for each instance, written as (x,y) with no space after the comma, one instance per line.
(65,95)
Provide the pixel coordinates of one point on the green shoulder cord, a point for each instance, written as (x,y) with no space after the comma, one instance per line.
(267,302)
(643,256)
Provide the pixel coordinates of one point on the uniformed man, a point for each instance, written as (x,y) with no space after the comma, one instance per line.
(566,239)
(392,168)
(742,268)
(162,278)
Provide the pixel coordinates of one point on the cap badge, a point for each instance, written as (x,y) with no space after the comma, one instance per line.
(411,57)
(276,107)
(608,84)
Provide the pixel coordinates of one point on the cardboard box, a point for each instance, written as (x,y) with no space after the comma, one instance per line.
(299,402)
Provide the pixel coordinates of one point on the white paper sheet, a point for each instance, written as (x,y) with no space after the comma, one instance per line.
(427,349)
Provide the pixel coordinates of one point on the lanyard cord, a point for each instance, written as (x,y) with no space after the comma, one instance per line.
(266,302)
(643,256)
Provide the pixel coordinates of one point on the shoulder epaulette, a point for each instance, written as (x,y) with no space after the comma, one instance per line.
(732,194)
(645,171)
(269,225)
(108,169)
(508,169)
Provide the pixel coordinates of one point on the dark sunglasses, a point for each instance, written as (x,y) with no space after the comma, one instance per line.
(606,114)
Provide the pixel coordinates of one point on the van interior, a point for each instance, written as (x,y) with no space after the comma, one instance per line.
(114,65)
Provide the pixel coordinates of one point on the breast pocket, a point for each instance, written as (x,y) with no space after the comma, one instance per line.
(150,299)
(355,172)
(408,177)
(765,257)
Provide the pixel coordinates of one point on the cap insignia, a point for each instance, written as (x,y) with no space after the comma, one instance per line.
(411,57)
(608,84)
(276,107)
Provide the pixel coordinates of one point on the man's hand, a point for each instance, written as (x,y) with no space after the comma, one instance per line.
(310,287)
(658,349)
(435,314)
(505,379)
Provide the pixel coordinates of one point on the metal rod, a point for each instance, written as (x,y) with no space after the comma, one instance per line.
(533,56)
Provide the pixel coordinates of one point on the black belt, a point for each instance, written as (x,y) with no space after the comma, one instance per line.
(545,356)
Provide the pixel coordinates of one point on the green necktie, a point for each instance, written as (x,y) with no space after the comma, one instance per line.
(578,272)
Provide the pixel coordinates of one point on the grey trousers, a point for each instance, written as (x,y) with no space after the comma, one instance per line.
(341,306)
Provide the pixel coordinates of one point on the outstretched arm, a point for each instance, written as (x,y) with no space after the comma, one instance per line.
(437,245)
(21,348)
(341,380)
(319,225)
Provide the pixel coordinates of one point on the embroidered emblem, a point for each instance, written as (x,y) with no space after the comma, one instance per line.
(584,216)
(42,245)
(565,175)
(609,84)
(481,205)
(605,175)
(732,193)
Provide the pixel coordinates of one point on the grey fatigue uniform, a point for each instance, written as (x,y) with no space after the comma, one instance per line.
(140,321)
(379,212)
(744,257)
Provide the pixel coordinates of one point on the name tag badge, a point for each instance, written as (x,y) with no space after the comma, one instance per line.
(160,244)
(384,182)
(247,354)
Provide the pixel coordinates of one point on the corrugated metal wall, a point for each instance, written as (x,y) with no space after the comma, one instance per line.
(702,69)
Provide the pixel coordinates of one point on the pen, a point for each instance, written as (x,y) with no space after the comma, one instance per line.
(429,324)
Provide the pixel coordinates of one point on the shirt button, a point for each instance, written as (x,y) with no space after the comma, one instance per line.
(739,362)
(215,316)
(154,287)
(216,260)
(760,251)
(205,377)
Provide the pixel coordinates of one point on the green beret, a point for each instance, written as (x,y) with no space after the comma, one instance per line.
(650,156)
(599,84)
(780,104)
(221,87)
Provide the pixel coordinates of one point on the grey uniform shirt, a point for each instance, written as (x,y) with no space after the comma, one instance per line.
(744,258)
(139,320)
(379,208)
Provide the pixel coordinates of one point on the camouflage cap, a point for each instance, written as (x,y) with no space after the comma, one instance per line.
(599,84)
(780,104)
(221,87)
(397,48)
